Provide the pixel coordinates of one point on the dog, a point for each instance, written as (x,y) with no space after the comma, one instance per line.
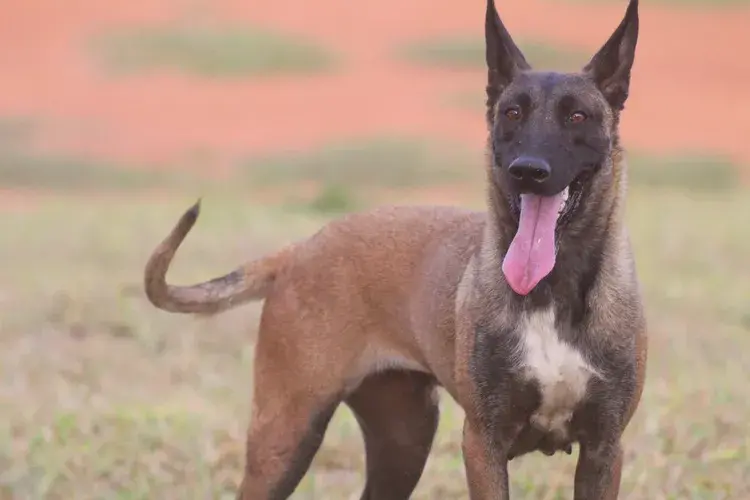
(529,314)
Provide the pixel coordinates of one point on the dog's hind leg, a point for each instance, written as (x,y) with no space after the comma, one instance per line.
(296,392)
(279,452)
(398,413)
(286,430)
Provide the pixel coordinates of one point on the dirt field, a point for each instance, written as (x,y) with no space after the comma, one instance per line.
(103,397)
(690,83)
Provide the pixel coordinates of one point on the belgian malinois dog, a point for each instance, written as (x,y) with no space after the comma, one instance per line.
(529,315)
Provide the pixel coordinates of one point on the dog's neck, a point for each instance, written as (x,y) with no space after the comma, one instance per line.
(594,234)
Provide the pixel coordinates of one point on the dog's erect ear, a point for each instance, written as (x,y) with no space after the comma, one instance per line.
(610,67)
(504,58)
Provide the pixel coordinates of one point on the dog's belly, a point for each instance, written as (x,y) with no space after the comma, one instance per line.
(561,374)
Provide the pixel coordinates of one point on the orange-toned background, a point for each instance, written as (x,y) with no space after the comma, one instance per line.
(691,85)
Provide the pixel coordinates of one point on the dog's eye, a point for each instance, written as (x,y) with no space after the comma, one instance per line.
(513,114)
(577,117)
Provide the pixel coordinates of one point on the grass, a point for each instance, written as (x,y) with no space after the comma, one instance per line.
(78,174)
(214,51)
(24,166)
(333,198)
(469,100)
(384,162)
(14,131)
(102,396)
(469,53)
(696,172)
(335,171)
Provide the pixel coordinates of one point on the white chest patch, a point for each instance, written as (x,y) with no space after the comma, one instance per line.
(559,369)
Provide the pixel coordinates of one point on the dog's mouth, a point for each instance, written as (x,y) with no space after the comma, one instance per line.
(571,198)
(531,255)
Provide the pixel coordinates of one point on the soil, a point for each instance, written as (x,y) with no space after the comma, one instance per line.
(689,88)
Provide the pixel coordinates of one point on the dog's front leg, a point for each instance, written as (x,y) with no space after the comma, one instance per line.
(486,465)
(598,471)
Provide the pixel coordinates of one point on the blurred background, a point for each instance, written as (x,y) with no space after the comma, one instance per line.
(116,116)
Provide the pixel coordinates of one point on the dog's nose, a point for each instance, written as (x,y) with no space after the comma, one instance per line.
(528,168)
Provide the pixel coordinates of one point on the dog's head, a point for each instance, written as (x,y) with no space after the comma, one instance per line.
(552,134)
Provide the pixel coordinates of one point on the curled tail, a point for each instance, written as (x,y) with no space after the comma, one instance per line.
(246,283)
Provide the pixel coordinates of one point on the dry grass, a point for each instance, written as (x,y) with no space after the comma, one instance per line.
(210,50)
(104,397)
(390,162)
(469,53)
(25,165)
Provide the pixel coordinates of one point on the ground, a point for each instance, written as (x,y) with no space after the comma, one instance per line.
(102,396)
(690,86)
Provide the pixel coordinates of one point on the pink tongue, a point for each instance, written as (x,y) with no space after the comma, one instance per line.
(531,255)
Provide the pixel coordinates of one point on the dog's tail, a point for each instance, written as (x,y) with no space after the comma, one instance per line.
(246,283)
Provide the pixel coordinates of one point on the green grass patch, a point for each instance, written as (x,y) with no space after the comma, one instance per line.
(326,199)
(692,172)
(122,457)
(31,171)
(215,51)
(336,170)
(102,396)
(333,198)
(469,53)
(468,100)
(376,162)
(15,131)
(23,166)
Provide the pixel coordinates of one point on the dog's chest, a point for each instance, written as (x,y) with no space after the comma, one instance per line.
(559,369)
